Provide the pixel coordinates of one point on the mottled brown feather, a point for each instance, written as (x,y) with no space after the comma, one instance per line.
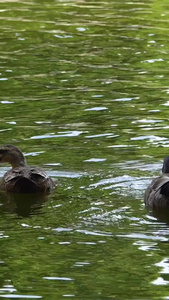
(23,178)
(157,193)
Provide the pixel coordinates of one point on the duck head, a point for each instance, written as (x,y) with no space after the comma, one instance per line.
(165,168)
(12,155)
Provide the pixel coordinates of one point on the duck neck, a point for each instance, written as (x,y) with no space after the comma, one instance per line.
(165,168)
(18,161)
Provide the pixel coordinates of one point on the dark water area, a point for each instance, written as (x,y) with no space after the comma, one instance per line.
(84,94)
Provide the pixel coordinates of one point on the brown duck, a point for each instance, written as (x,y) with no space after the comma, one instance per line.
(157,193)
(22,178)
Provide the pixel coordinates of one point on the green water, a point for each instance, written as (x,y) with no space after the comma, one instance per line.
(84,94)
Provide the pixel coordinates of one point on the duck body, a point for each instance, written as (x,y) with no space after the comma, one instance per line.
(22,178)
(157,193)
(26,180)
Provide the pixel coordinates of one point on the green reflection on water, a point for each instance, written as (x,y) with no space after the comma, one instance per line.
(84,91)
(81,245)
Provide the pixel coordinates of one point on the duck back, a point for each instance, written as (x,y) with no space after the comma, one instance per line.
(157,193)
(27,180)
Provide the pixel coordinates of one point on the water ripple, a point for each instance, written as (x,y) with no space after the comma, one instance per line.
(61,134)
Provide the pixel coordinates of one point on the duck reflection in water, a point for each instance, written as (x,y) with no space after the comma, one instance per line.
(156,195)
(23,205)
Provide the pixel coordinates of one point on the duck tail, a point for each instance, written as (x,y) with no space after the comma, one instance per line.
(165,189)
(23,185)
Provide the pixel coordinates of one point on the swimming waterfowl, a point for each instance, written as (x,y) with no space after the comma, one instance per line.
(22,178)
(157,193)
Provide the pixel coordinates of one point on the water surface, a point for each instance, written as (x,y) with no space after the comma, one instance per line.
(84,94)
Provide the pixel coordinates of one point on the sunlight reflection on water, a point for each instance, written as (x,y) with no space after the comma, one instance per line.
(90,95)
(63,134)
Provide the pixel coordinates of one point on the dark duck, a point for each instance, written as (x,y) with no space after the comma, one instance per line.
(157,193)
(22,178)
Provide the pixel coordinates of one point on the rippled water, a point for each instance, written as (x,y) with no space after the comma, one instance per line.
(84,93)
